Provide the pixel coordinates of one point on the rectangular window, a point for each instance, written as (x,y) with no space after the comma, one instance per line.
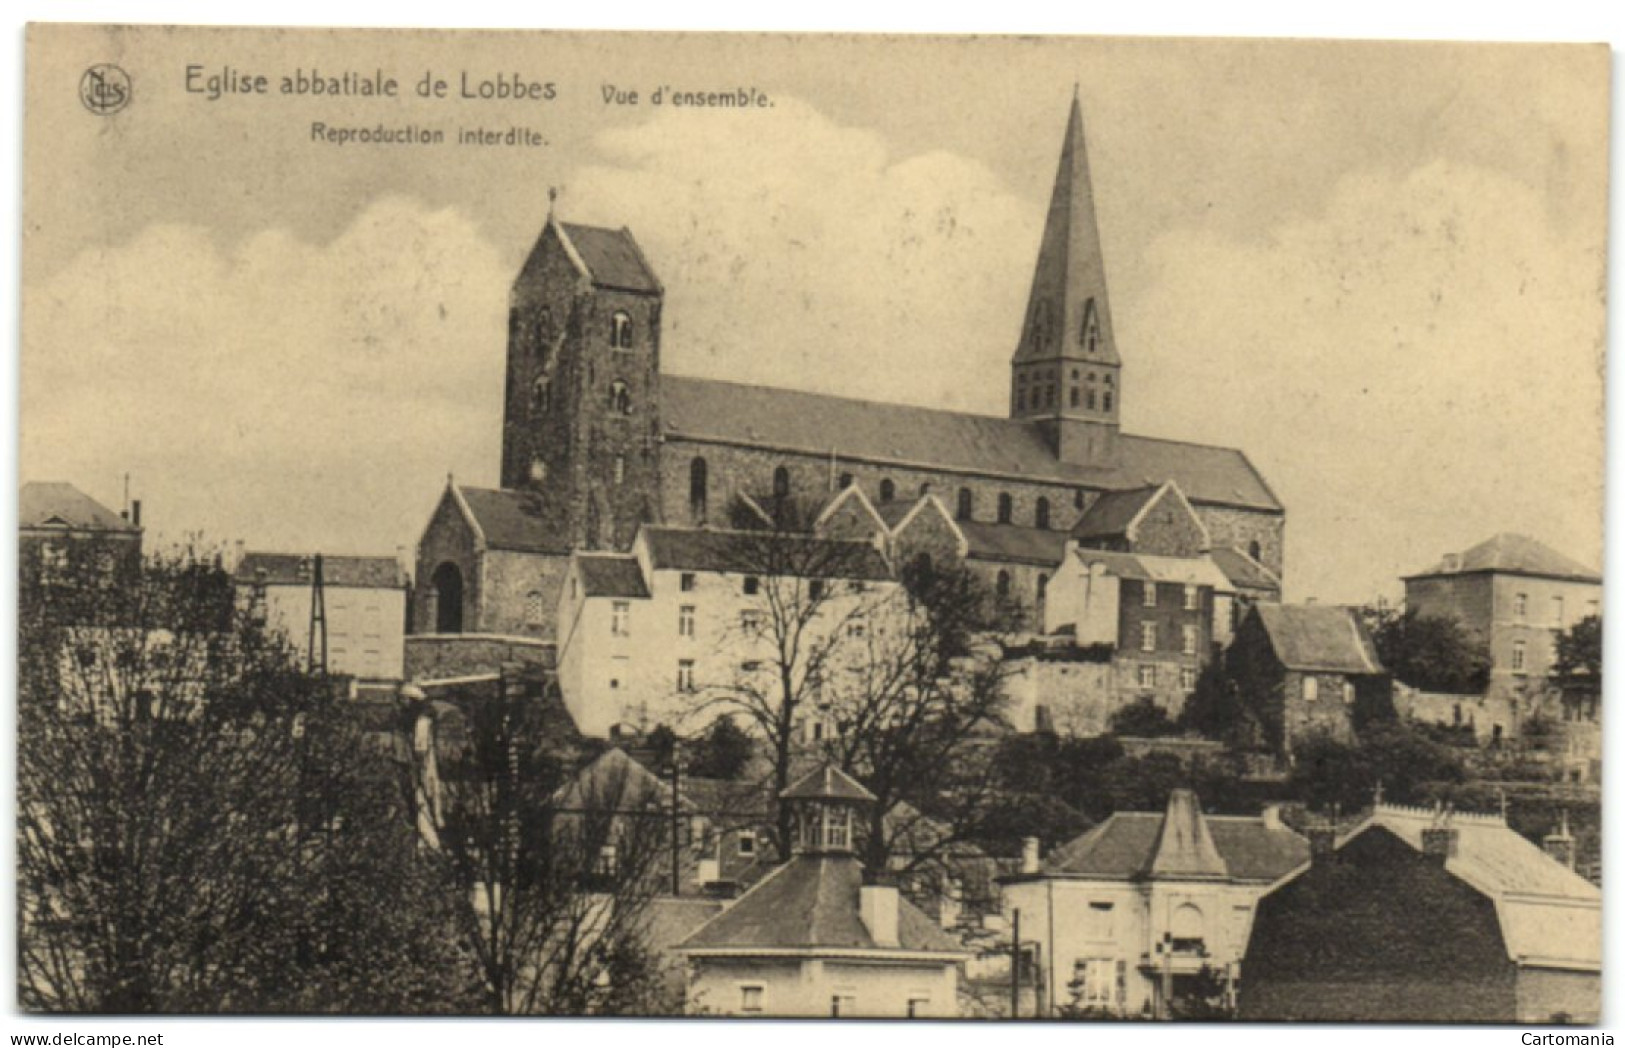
(1148,636)
(1311,689)
(1187,679)
(619,614)
(856,629)
(1193,598)
(918,1005)
(750,620)
(1557,612)
(1148,675)
(685,582)
(753,585)
(1190,639)
(842,1004)
(747,842)
(1097,981)
(1348,693)
(1149,590)
(750,1000)
(620,469)
(685,621)
(1519,657)
(685,675)
(815,589)
(1520,606)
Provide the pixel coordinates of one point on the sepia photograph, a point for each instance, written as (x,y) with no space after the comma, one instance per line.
(822,526)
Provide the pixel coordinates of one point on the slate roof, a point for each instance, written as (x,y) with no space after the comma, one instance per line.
(811,902)
(612,258)
(1013,542)
(512,520)
(294,569)
(1110,515)
(827,783)
(818,424)
(1319,637)
(1512,554)
(1244,571)
(1549,914)
(611,576)
(56,504)
(1130,845)
(752,553)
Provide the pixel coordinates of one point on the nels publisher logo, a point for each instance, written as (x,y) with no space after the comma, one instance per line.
(104,89)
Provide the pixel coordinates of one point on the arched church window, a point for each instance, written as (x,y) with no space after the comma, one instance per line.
(447,581)
(1089,330)
(846,481)
(888,490)
(1002,586)
(1006,507)
(1021,400)
(620,398)
(542,395)
(1041,514)
(1106,401)
(698,477)
(781,483)
(1254,550)
(1074,396)
(620,330)
(967,503)
(1077,499)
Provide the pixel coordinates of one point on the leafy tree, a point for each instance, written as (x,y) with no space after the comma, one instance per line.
(1406,763)
(553,874)
(1577,668)
(723,752)
(201,827)
(1429,652)
(1143,718)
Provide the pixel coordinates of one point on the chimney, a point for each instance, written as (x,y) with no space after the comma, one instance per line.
(1560,844)
(1439,842)
(877,905)
(1322,843)
(1030,855)
(1271,817)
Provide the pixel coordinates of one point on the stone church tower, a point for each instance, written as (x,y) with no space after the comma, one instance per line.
(1065,372)
(581,417)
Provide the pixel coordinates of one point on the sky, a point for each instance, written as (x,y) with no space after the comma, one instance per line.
(1376,268)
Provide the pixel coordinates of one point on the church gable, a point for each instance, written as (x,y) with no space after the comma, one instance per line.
(850,516)
(928,531)
(1167,526)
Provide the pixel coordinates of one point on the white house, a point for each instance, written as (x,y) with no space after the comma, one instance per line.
(363,599)
(1129,915)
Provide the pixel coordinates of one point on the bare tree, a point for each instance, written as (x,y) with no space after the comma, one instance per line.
(200,827)
(554,875)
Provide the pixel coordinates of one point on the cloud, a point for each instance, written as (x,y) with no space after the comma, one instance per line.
(1414,369)
(311,395)
(815,258)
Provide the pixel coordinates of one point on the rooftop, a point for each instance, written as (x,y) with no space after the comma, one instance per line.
(611,575)
(1319,637)
(819,424)
(297,569)
(510,519)
(812,902)
(55,504)
(762,553)
(1512,554)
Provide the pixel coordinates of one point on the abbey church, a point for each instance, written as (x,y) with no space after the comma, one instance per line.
(597,441)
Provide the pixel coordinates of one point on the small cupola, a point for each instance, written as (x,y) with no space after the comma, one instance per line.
(824,806)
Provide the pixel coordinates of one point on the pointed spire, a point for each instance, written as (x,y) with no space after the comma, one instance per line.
(1067,310)
(1185,845)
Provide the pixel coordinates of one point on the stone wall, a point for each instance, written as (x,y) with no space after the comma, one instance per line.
(447,539)
(448,655)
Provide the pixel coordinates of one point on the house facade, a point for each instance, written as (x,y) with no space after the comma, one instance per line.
(1130,916)
(65,537)
(657,635)
(363,602)
(1419,915)
(1304,672)
(1515,594)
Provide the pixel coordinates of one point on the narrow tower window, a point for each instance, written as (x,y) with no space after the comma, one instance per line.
(620,331)
(697,480)
(1041,514)
(1006,507)
(781,483)
(620,398)
(966,504)
(542,395)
